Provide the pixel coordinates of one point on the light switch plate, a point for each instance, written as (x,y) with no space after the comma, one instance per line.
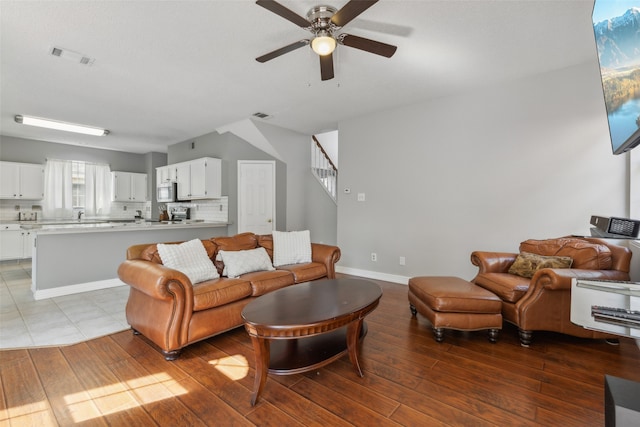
(361,197)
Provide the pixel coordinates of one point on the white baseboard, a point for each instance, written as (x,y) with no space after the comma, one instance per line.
(39,294)
(373,275)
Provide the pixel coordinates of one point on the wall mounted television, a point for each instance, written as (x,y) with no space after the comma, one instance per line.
(616,25)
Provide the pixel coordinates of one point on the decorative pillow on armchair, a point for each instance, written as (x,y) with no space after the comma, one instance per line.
(189,258)
(526,264)
(291,247)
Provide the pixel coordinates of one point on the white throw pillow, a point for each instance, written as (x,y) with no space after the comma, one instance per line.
(291,247)
(240,262)
(189,258)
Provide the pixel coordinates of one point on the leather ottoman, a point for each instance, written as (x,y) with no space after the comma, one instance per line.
(454,303)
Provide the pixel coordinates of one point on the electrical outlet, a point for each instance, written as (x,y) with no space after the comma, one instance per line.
(403,260)
(374,256)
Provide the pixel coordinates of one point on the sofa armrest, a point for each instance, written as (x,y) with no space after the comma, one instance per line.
(492,262)
(327,255)
(156,280)
(160,304)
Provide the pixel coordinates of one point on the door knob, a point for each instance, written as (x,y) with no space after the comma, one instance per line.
(269,220)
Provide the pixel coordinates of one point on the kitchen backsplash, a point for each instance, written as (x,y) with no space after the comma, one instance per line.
(207,210)
(10,209)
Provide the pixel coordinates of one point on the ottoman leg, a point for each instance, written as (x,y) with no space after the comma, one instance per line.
(493,335)
(413,309)
(438,334)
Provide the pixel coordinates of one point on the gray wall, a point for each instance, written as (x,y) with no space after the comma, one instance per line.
(479,171)
(32,151)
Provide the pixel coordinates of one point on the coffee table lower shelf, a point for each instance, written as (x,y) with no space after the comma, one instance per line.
(294,356)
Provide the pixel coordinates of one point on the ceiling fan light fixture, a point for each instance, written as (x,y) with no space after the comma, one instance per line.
(323,44)
(57,125)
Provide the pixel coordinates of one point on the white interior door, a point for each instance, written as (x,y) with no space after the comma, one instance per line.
(256,196)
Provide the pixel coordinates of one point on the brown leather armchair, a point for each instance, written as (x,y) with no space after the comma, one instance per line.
(543,302)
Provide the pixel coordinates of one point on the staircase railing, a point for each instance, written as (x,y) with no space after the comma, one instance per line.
(323,169)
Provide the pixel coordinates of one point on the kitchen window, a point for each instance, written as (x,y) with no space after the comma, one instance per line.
(78,184)
(75,185)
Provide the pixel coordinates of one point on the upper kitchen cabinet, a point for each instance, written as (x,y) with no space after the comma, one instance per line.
(21,181)
(166,174)
(129,187)
(199,179)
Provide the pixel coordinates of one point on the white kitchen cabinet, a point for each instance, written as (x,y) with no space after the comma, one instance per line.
(129,187)
(199,179)
(21,181)
(165,174)
(16,243)
(10,242)
(28,242)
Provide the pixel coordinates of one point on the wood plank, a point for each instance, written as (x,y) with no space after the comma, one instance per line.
(70,402)
(345,408)
(26,400)
(113,399)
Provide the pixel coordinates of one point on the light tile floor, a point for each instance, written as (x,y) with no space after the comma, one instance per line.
(25,322)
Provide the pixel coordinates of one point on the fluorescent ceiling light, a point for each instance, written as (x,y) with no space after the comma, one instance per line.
(54,124)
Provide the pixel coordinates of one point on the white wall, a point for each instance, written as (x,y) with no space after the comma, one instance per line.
(479,171)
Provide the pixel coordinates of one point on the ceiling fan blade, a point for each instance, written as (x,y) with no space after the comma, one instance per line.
(326,66)
(282,11)
(367,45)
(293,46)
(351,10)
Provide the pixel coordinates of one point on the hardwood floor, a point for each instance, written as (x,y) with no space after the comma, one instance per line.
(409,379)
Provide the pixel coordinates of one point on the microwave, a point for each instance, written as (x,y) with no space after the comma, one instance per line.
(167,192)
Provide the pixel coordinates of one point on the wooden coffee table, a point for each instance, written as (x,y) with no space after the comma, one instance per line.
(306,326)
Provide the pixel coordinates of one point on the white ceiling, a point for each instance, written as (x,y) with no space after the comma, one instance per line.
(167,71)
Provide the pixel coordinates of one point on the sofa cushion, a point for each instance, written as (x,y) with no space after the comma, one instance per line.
(239,242)
(526,264)
(306,272)
(291,247)
(267,281)
(508,287)
(585,255)
(237,263)
(150,253)
(189,258)
(221,291)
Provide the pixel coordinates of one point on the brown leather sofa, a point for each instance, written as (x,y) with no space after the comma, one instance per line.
(543,302)
(167,309)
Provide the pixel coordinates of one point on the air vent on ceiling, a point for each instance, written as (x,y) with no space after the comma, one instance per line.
(261,115)
(70,55)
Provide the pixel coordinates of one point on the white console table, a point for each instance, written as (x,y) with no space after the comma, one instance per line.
(606,306)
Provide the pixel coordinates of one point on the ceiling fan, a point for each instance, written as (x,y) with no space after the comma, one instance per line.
(324,22)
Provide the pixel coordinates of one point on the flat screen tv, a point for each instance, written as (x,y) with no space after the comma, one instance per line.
(616,25)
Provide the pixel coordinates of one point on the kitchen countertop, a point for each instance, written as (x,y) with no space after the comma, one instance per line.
(50,227)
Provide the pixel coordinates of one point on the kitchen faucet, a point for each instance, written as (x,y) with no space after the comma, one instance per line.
(80,215)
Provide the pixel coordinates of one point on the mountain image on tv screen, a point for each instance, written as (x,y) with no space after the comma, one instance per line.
(616,27)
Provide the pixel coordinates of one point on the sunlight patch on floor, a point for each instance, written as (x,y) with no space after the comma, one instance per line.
(31,410)
(121,396)
(233,367)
